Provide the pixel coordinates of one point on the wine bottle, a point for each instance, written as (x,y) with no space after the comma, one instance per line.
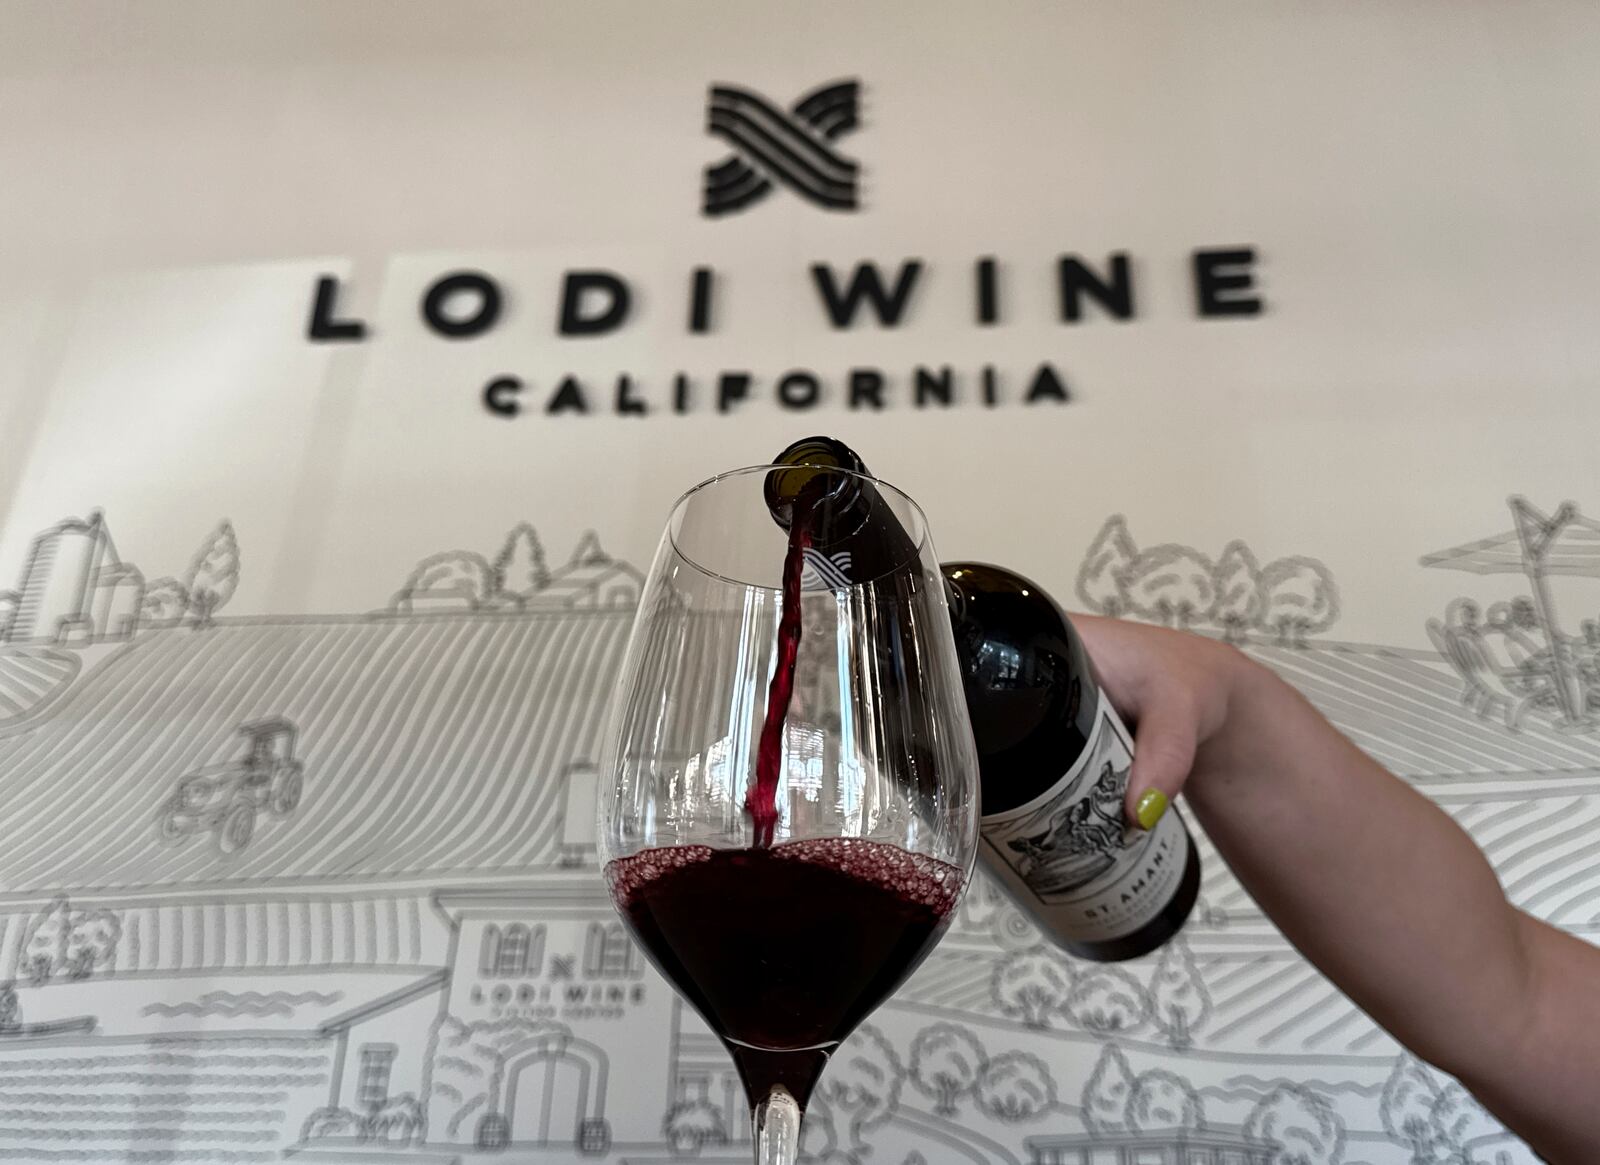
(1053,755)
(1053,762)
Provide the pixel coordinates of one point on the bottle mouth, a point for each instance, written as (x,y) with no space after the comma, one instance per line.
(710,524)
(819,469)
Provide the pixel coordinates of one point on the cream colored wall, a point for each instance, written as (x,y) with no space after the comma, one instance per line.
(1419,181)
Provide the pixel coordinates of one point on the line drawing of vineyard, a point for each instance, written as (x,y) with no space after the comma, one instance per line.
(444,745)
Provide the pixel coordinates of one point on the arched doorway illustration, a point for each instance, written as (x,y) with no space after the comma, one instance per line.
(554,1090)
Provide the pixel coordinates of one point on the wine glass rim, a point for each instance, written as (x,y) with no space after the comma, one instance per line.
(749,470)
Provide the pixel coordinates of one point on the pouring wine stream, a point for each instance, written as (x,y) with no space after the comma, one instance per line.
(762,802)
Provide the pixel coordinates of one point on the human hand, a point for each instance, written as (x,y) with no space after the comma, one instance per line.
(1174,690)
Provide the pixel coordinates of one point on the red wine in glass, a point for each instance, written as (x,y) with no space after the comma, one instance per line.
(785,949)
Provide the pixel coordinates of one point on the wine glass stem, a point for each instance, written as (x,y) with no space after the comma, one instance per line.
(777,1125)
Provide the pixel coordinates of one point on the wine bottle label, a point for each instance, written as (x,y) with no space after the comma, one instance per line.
(1070,857)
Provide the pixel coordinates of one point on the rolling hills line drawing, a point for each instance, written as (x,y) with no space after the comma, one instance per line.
(326,886)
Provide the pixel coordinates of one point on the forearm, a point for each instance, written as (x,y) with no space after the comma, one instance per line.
(1371,881)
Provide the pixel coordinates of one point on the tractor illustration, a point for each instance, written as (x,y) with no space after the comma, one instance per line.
(225,799)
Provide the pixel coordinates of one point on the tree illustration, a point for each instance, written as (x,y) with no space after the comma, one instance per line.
(1108,1001)
(1180,1003)
(861,1087)
(1164,1100)
(214,574)
(1031,985)
(1100,578)
(1457,1121)
(519,569)
(91,942)
(1298,599)
(1238,601)
(691,1124)
(1303,1125)
(166,601)
(458,578)
(945,1062)
(61,941)
(10,1008)
(1407,1108)
(1015,1087)
(44,943)
(1171,584)
(1107,1092)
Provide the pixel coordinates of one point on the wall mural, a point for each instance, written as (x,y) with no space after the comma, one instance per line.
(324,887)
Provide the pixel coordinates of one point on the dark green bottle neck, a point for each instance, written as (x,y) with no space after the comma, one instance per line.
(845,511)
(838,504)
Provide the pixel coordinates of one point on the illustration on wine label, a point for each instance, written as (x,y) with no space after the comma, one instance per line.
(1080,840)
(1071,847)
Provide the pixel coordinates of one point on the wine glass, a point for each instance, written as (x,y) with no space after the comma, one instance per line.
(785,911)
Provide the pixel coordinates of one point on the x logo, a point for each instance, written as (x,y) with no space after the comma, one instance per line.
(771,145)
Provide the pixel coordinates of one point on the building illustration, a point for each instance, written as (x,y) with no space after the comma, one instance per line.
(74,588)
(410,954)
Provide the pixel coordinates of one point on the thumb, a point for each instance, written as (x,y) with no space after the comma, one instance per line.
(1163,753)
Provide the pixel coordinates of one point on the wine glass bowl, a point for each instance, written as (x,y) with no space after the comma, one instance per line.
(787,857)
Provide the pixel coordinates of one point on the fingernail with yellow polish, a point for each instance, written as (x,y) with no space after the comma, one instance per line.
(1151,808)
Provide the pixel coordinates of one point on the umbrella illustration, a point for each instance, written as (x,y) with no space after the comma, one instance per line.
(1539,546)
